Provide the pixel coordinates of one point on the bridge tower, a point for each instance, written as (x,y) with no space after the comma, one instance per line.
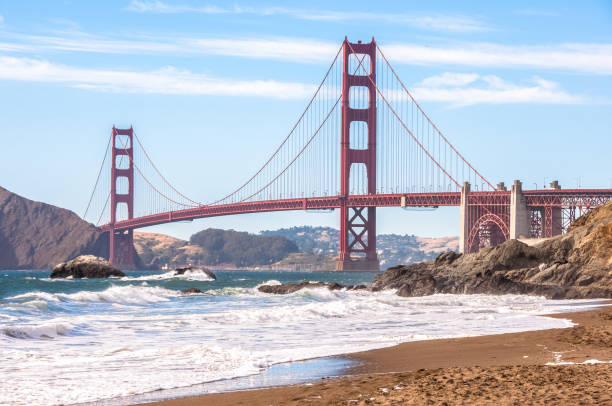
(122,251)
(357,224)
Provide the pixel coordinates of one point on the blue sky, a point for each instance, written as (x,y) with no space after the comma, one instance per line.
(523,89)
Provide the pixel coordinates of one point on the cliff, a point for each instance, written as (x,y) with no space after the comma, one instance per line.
(35,235)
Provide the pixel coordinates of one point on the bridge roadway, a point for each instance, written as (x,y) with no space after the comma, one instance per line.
(542,197)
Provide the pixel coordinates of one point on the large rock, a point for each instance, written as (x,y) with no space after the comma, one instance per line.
(575,265)
(86,266)
(286,288)
(194,270)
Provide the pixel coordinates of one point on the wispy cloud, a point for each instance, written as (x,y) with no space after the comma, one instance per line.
(284,49)
(574,57)
(164,81)
(469,89)
(1,19)
(435,23)
(457,89)
(450,79)
(579,57)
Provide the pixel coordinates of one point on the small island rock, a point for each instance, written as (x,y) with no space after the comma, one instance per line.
(191,290)
(193,269)
(86,266)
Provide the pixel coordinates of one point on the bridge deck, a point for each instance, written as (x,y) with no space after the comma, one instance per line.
(542,197)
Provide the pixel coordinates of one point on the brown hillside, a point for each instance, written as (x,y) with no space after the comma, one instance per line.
(35,235)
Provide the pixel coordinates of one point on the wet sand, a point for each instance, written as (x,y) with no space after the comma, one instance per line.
(504,369)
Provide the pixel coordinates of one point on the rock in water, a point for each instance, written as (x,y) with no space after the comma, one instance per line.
(287,288)
(86,266)
(191,290)
(192,269)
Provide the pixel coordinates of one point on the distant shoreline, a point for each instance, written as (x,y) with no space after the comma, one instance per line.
(491,355)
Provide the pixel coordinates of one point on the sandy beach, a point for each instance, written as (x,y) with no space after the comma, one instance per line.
(536,367)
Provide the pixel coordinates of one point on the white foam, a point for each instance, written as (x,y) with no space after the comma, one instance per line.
(127,295)
(154,338)
(587,362)
(44,330)
(191,275)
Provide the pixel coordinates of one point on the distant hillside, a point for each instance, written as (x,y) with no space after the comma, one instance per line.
(212,247)
(393,249)
(35,235)
(306,248)
(159,250)
(241,248)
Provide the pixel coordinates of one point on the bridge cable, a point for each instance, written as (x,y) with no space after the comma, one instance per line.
(162,176)
(307,143)
(429,120)
(287,137)
(402,122)
(98,178)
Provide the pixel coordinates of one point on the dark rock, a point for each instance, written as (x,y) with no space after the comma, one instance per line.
(574,265)
(191,290)
(287,288)
(447,258)
(181,271)
(86,266)
(418,285)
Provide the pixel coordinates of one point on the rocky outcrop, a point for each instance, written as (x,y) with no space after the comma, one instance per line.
(575,265)
(86,266)
(36,235)
(287,288)
(193,270)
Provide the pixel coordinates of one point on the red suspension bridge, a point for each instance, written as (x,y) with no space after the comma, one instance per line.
(362,142)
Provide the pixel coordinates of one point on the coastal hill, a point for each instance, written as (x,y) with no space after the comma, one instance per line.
(574,265)
(212,247)
(393,249)
(35,235)
(316,249)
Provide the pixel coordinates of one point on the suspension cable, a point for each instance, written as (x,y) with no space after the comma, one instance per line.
(429,120)
(162,176)
(98,178)
(288,135)
(402,122)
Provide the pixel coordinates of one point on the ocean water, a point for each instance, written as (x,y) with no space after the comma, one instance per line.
(69,341)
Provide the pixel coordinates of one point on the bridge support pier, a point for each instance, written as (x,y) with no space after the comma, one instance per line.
(519,214)
(122,252)
(358,224)
(463,218)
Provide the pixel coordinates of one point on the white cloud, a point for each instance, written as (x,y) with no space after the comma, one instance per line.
(285,49)
(590,58)
(456,89)
(576,57)
(450,79)
(436,23)
(164,81)
(470,89)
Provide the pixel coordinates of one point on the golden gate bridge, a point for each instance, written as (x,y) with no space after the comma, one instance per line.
(361,142)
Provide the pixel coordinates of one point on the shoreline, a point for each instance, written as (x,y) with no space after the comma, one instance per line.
(508,355)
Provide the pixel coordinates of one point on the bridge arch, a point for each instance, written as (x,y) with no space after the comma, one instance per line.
(488,230)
